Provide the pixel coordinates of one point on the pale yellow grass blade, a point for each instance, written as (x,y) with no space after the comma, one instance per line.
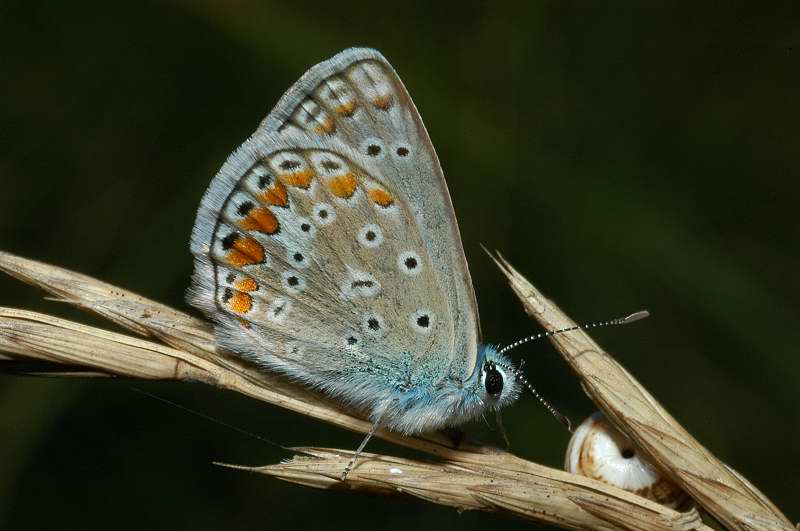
(469,476)
(733,500)
(541,494)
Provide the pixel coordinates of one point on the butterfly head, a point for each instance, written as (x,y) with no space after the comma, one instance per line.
(498,384)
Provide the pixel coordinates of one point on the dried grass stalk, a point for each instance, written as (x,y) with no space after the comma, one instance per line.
(486,482)
(468,477)
(724,493)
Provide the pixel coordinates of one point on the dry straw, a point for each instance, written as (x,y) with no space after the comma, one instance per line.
(176,346)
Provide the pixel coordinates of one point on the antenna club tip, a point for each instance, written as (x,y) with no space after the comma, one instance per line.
(638,316)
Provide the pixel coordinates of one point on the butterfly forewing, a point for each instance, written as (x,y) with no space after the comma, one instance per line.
(327,243)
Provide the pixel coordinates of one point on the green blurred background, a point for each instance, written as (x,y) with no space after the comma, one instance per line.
(622,156)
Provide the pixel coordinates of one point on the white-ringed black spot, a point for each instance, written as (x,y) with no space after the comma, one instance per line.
(229,240)
(230,278)
(264,181)
(289,164)
(422,321)
(370,236)
(402,151)
(293,282)
(226,296)
(305,229)
(373,147)
(298,258)
(330,165)
(373,324)
(351,340)
(324,214)
(360,284)
(244,208)
(409,263)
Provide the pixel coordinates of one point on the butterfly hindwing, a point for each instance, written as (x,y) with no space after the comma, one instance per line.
(327,245)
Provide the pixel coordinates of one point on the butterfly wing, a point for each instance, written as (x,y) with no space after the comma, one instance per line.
(327,245)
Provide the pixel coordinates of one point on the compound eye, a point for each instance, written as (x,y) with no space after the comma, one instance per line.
(493,382)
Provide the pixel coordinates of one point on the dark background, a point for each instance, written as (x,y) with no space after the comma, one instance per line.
(622,157)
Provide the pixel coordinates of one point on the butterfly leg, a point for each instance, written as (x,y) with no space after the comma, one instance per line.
(455,435)
(360,448)
(502,429)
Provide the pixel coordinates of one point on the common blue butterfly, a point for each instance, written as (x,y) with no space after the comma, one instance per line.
(326,249)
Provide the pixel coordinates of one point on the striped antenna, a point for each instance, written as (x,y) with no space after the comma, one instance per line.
(520,376)
(618,321)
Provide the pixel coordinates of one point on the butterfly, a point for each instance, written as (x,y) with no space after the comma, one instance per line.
(326,249)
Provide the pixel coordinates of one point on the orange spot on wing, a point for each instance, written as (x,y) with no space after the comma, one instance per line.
(301,179)
(346,109)
(343,186)
(240,302)
(260,219)
(381,197)
(245,251)
(383,102)
(326,126)
(246,284)
(275,195)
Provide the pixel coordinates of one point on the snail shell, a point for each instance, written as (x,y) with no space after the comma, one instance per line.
(599,451)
